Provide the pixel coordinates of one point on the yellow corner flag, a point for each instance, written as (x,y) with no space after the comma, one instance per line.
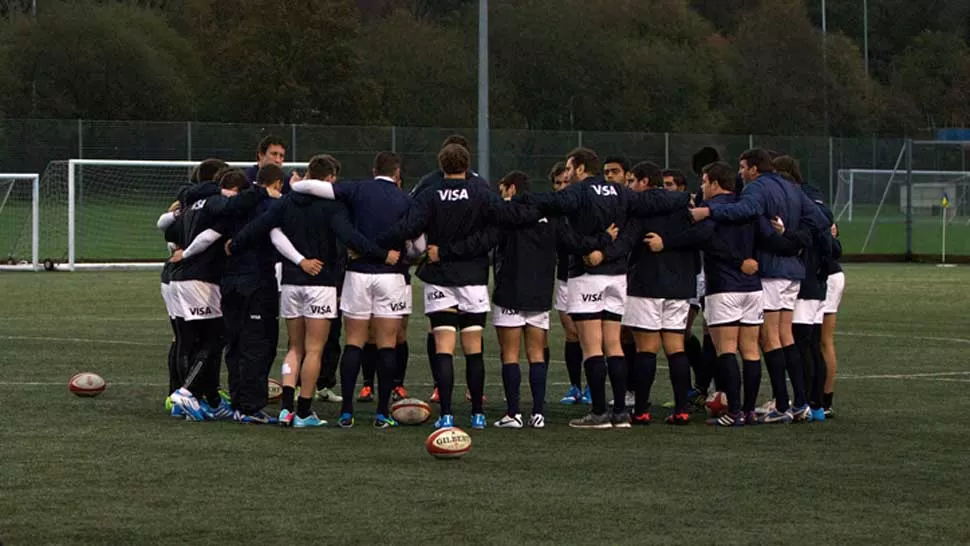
(946,201)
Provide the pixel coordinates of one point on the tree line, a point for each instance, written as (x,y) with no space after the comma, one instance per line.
(701,66)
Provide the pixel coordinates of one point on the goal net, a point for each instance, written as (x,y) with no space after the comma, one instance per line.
(101,214)
(861,191)
(18,220)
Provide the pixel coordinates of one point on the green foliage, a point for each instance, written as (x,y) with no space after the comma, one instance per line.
(743,66)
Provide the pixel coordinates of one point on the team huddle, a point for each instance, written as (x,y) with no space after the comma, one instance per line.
(628,259)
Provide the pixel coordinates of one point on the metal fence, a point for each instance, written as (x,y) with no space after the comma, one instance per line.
(30,145)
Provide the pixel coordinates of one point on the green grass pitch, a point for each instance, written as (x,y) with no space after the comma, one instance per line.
(891,468)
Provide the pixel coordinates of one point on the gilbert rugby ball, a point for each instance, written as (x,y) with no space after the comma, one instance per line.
(410,411)
(275,390)
(448,443)
(86,384)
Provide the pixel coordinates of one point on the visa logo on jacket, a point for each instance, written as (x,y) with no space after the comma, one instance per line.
(453,195)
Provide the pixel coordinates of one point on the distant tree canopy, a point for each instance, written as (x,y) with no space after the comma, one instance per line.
(730,66)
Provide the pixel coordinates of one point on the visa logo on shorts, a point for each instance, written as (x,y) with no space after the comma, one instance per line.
(604,190)
(320,309)
(436,295)
(398,306)
(200,311)
(592,298)
(453,195)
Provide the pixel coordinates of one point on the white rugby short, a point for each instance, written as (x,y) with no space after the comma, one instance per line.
(312,302)
(197,300)
(833,293)
(503,317)
(780,294)
(562,296)
(468,299)
(701,290)
(808,312)
(656,314)
(590,294)
(171,305)
(725,308)
(380,295)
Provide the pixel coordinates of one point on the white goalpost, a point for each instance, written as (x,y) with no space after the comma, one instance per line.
(19,201)
(100,213)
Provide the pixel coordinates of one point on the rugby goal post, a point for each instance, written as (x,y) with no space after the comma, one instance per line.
(100,214)
(19,220)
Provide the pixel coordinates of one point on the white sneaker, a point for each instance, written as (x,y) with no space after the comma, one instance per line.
(510,421)
(766,408)
(630,399)
(537,421)
(327,395)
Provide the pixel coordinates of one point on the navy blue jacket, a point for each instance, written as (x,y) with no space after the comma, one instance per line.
(449,211)
(769,196)
(592,205)
(257,263)
(438,176)
(374,205)
(723,273)
(252,171)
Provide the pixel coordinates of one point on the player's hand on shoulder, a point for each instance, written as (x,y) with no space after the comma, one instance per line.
(176,256)
(778,225)
(352,254)
(749,266)
(432,252)
(613,231)
(699,213)
(594,258)
(654,241)
(311,266)
(392,257)
(295,176)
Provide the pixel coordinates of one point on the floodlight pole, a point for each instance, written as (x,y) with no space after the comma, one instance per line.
(483,129)
(909,200)
(865,33)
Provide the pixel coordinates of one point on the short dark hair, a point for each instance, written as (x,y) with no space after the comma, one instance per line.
(454,159)
(267,141)
(268,174)
(678,175)
(556,171)
(758,157)
(456,139)
(624,162)
(385,163)
(649,170)
(518,180)
(787,167)
(233,179)
(722,174)
(321,166)
(586,158)
(704,157)
(207,170)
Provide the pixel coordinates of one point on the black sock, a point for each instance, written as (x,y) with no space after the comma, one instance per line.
(430,346)
(679,380)
(445,374)
(545,354)
(302,406)
(475,376)
(286,401)
(728,363)
(595,367)
(511,380)
(401,354)
(349,368)
(386,364)
(709,357)
(173,367)
(828,400)
(752,384)
(695,355)
(644,373)
(368,364)
(537,382)
(796,374)
(573,354)
(775,362)
(629,354)
(817,387)
(616,365)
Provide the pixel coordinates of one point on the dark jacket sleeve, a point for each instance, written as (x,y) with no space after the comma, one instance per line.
(836,249)
(412,224)
(220,205)
(655,202)
(630,236)
(349,236)
(714,246)
(691,237)
(476,244)
(258,229)
(569,241)
(510,213)
(748,205)
(791,243)
(556,203)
